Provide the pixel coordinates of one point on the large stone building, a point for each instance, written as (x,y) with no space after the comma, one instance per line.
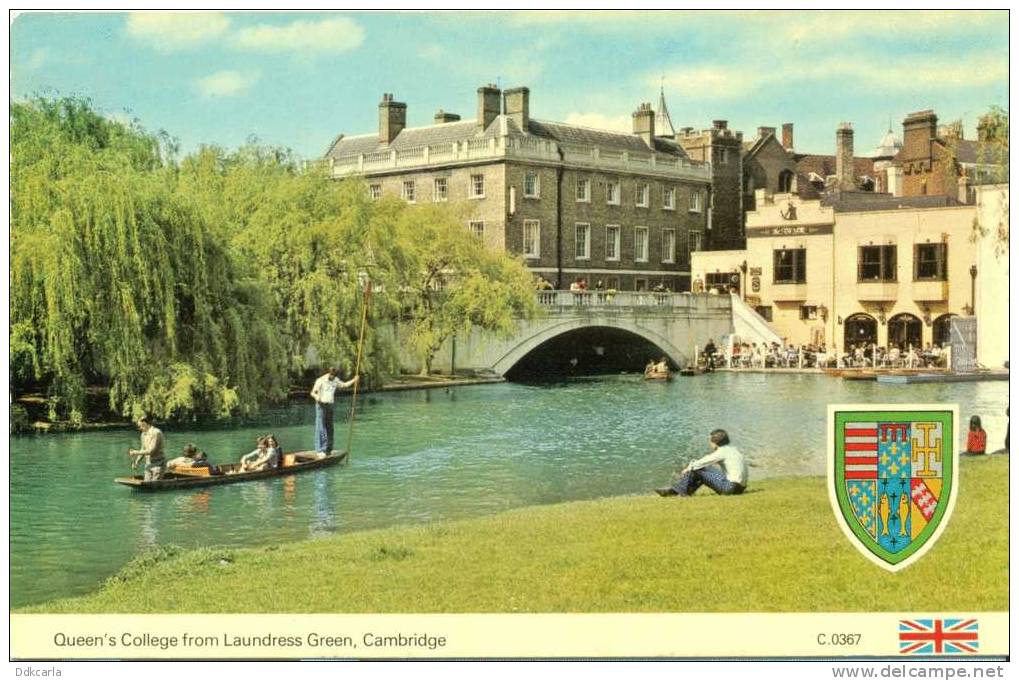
(723,149)
(574,202)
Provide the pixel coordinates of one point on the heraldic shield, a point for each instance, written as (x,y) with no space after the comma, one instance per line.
(892,477)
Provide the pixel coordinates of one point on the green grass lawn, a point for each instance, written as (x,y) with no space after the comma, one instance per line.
(777,548)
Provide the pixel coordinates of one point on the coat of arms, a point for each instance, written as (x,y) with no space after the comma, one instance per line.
(892,477)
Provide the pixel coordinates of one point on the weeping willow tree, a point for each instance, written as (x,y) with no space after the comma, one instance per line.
(117,280)
(314,242)
(455,283)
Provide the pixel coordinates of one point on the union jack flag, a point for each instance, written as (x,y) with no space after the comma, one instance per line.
(938,637)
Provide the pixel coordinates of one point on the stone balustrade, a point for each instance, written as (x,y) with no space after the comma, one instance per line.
(522,148)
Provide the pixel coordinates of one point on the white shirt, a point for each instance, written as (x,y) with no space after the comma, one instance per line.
(325,388)
(732,460)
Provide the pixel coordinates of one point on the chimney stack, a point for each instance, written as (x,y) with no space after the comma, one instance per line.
(918,129)
(719,124)
(787,136)
(517,106)
(392,118)
(763,131)
(844,178)
(644,123)
(489,99)
(445,117)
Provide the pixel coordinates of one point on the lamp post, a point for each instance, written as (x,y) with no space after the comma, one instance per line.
(973,290)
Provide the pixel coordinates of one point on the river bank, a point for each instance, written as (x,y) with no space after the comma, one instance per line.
(27,411)
(775,549)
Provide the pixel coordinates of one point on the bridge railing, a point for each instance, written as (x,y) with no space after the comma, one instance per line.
(623,299)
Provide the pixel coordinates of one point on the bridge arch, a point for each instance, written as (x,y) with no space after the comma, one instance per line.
(527,343)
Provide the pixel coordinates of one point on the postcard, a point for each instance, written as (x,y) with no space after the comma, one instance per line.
(517,335)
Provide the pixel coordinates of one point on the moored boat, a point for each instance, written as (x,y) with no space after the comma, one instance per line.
(187,478)
(658,376)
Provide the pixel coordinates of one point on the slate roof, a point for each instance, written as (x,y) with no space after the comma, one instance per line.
(857,202)
(449,132)
(824,165)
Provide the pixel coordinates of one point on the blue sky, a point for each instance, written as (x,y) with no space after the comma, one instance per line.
(298,79)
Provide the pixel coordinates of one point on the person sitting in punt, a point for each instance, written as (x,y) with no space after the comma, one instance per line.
(186,460)
(201,460)
(662,367)
(275,452)
(258,459)
(650,368)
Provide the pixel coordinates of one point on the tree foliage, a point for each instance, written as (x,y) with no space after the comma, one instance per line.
(455,283)
(116,279)
(204,287)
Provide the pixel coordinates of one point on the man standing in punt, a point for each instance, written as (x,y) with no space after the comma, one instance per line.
(324,393)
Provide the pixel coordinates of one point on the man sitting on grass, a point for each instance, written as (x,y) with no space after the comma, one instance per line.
(724,470)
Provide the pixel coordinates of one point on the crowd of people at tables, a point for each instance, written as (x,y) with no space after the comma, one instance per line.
(776,355)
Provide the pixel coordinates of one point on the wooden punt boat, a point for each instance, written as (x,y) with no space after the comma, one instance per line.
(188,478)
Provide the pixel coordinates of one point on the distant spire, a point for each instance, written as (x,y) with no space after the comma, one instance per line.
(663,123)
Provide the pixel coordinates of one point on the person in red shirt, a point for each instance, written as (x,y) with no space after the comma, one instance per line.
(976,441)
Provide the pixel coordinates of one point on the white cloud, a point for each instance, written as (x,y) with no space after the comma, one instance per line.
(621,123)
(328,35)
(226,83)
(38,58)
(883,73)
(173,31)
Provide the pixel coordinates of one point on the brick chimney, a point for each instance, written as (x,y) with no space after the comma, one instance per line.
(489,99)
(517,106)
(644,123)
(392,118)
(719,124)
(764,131)
(787,136)
(844,180)
(445,117)
(918,129)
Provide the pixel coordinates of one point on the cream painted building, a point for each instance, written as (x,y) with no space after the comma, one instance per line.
(855,268)
(992,276)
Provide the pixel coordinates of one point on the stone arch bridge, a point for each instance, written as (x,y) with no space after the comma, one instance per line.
(674,322)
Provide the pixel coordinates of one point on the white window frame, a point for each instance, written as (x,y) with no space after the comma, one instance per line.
(611,185)
(536,194)
(669,198)
(473,226)
(586,253)
(474,186)
(586,184)
(616,242)
(375,192)
(642,196)
(637,256)
(696,202)
(536,252)
(668,249)
(411,196)
(444,196)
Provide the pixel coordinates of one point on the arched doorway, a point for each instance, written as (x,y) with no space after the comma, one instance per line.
(905,330)
(860,328)
(943,330)
(785,182)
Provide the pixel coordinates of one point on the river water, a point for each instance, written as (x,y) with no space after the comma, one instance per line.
(423,456)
